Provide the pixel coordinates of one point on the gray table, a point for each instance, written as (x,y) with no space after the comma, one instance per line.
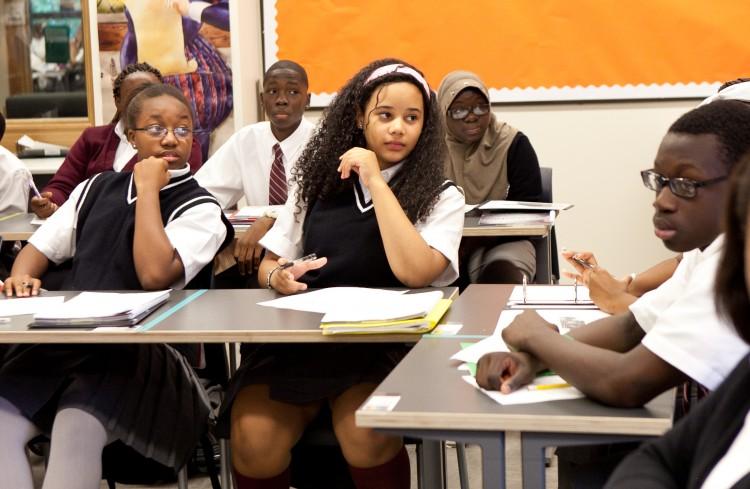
(16,226)
(205,316)
(437,404)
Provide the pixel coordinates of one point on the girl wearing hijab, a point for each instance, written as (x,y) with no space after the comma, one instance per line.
(491,161)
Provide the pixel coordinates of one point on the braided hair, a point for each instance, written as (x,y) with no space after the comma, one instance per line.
(126,72)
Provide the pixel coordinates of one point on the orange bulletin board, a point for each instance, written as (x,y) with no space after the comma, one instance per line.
(525,50)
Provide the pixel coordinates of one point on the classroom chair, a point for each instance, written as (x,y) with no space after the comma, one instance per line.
(547,270)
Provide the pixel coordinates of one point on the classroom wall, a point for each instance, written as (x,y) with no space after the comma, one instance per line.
(595,150)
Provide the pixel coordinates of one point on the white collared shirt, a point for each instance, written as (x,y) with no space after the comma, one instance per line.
(242,165)
(196,234)
(441,230)
(14,183)
(681,323)
(125,151)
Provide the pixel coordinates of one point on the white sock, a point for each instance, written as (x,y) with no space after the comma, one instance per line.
(15,433)
(76,445)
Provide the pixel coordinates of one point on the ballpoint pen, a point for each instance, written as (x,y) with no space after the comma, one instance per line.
(575,289)
(524,287)
(544,387)
(583,263)
(290,264)
(33,188)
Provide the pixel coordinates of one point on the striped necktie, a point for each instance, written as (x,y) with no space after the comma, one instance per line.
(277,183)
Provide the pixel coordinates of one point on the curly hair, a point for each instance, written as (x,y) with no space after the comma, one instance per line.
(126,72)
(419,183)
(731,288)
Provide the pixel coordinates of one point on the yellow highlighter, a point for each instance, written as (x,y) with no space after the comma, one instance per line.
(544,387)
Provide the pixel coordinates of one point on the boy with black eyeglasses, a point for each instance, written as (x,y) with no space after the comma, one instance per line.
(673,333)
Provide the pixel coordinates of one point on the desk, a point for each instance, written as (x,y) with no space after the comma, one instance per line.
(206,316)
(43,166)
(436,404)
(16,227)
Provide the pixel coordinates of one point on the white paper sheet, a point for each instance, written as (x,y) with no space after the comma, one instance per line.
(504,205)
(564,319)
(384,308)
(104,304)
(526,396)
(329,299)
(29,305)
(473,353)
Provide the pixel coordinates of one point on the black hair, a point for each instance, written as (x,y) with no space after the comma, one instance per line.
(285,64)
(2,126)
(421,176)
(129,70)
(732,82)
(728,120)
(731,288)
(152,91)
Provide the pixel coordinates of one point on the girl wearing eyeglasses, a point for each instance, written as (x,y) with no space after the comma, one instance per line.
(490,160)
(151,229)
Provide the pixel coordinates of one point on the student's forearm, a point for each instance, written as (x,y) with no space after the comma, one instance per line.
(157,263)
(653,277)
(619,333)
(30,261)
(411,259)
(597,372)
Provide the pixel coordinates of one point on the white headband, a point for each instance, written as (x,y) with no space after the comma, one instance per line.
(396,68)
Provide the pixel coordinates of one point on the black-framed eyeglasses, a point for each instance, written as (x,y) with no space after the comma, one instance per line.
(157,131)
(460,113)
(681,187)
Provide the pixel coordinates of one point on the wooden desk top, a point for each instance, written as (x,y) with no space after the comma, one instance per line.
(434,396)
(212,316)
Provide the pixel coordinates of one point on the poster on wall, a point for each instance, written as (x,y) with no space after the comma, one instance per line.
(526,51)
(187,40)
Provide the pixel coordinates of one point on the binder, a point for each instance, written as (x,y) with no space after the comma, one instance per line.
(415,325)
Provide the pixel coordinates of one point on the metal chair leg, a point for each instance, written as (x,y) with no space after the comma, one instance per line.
(463,476)
(182,478)
(226,475)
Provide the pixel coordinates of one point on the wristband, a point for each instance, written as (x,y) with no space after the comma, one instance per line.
(268,277)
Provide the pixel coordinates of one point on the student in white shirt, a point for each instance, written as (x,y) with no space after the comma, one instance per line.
(14,179)
(672,333)
(244,165)
(708,449)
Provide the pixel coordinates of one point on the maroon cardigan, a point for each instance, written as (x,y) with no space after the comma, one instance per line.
(94,152)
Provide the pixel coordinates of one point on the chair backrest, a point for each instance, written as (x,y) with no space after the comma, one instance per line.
(547,270)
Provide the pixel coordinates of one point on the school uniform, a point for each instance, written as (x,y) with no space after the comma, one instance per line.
(14,183)
(681,323)
(147,396)
(241,167)
(344,229)
(98,149)
(706,450)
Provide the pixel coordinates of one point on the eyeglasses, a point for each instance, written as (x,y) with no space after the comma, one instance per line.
(681,187)
(460,113)
(157,131)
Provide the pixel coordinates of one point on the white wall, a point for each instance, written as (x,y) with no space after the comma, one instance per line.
(595,149)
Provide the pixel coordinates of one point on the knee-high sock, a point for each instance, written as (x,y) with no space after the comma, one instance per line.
(76,445)
(15,432)
(280,481)
(394,474)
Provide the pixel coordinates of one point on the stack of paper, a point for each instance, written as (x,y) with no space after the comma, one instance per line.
(247,215)
(406,313)
(517,218)
(92,309)
(517,205)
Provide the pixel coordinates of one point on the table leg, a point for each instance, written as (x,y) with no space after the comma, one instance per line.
(533,445)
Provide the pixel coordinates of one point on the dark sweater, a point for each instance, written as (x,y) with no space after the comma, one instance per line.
(685,456)
(524,177)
